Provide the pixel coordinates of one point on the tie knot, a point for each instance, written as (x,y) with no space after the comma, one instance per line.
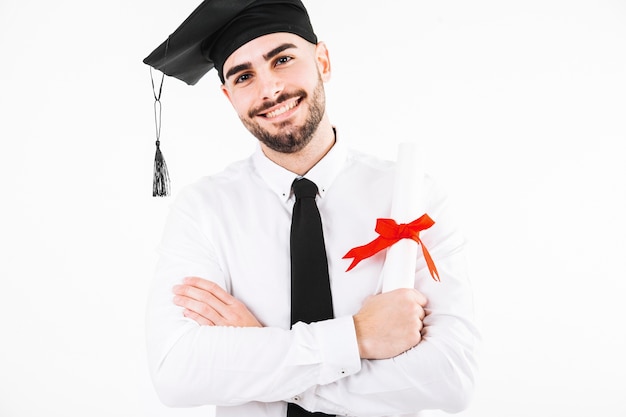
(304,188)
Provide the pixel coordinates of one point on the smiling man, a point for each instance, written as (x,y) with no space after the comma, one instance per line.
(252,308)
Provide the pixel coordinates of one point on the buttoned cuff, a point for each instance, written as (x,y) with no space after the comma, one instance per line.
(340,356)
(339,348)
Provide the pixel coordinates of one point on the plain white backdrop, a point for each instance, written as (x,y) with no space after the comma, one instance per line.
(520,105)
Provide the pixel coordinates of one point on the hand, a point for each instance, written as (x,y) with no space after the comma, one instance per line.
(209,305)
(389,324)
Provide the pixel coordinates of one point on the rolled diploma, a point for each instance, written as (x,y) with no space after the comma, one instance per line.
(406,206)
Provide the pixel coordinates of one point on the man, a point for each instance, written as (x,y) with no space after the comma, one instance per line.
(220,315)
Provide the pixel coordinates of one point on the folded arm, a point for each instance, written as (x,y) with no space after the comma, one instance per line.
(438,373)
(193,364)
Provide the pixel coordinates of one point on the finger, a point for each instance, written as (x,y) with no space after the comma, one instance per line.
(420,325)
(200,308)
(421,313)
(205,297)
(191,292)
(211,287)
(199,294)
(201,320)
(421,298)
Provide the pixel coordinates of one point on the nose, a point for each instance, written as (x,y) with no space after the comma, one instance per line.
(270,85)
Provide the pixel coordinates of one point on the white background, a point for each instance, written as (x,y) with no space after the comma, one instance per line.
(520,105)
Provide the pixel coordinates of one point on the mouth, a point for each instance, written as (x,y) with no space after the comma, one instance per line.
(282,109)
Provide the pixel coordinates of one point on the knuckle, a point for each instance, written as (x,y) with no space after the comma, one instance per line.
(210,285)
(205,310)
(417,334)
(413,309)
(407,293)
(420,326)
(181,300)
(185,290)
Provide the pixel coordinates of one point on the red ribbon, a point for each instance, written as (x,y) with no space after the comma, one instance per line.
(390,232)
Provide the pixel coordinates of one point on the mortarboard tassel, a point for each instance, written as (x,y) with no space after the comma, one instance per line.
(161,178)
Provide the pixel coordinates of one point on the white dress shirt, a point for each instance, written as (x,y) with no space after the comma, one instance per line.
(233,228)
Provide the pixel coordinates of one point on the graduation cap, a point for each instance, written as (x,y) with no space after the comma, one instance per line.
(211,33)
(217,28)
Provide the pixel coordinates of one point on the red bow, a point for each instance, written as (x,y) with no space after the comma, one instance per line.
(390,232)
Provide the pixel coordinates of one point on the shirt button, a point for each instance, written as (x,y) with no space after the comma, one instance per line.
(296,398)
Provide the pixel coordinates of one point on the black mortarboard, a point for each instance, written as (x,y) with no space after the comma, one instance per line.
(217,28)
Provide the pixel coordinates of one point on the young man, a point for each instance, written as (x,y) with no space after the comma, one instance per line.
(221,327)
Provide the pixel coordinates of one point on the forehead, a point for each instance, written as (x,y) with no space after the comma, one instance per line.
(257,48)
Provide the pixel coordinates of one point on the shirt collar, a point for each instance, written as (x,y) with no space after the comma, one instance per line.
(280,179)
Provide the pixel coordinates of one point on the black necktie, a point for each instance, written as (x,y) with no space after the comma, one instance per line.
(310,287)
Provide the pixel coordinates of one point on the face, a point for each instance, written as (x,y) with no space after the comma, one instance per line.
(276,85)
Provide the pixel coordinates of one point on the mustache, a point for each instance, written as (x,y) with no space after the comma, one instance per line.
(281,98)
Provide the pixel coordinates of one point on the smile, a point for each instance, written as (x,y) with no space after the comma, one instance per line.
(281,110)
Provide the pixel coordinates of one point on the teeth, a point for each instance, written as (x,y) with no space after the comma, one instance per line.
(281,110)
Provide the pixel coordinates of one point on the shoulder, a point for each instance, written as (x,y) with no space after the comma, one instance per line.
(362,160)
(367,169)
(209,190)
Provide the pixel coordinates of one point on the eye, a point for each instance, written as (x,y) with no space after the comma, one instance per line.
(242,78)
(283,60)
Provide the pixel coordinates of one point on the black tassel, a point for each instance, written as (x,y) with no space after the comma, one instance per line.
(161,178)
(161,181)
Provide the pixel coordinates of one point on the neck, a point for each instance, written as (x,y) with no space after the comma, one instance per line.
(302,161)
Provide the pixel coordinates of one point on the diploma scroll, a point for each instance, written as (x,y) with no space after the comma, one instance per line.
(407,204)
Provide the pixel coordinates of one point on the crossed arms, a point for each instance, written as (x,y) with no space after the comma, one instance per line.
(396,353)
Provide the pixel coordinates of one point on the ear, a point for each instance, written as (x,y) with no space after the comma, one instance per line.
(323,61)
(226,92)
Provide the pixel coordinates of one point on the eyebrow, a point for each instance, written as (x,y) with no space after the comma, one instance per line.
(271,54)
(238,68)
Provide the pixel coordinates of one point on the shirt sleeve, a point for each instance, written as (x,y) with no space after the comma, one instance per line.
(194,365)
(439,373)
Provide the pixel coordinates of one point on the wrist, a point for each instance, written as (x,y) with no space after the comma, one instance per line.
(361,339)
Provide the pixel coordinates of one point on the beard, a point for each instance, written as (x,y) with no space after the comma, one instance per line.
(290,139)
